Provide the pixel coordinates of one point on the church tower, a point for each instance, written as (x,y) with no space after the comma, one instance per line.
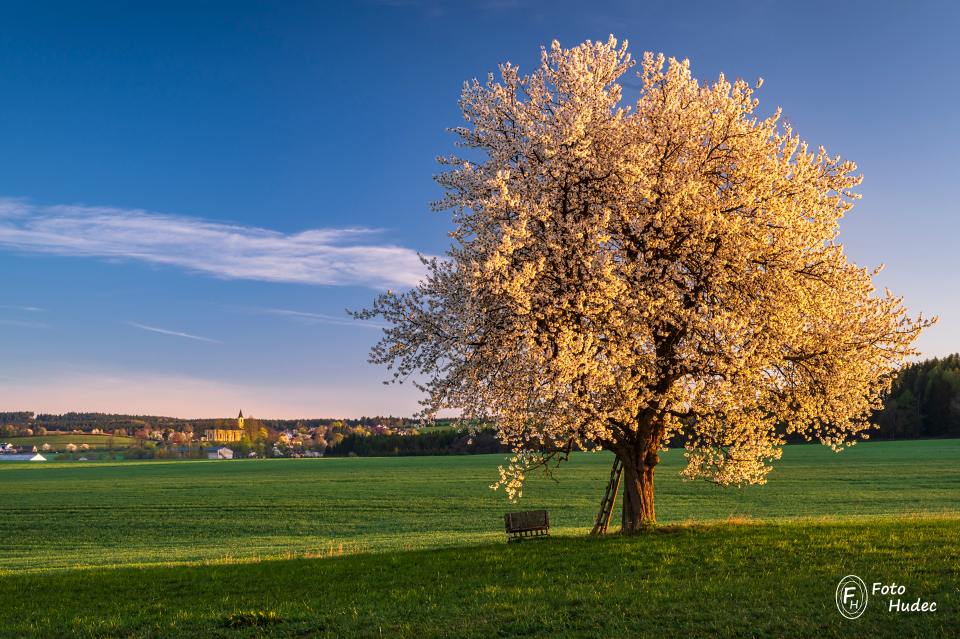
(226,434)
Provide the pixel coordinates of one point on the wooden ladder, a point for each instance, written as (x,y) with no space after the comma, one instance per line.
(609,499)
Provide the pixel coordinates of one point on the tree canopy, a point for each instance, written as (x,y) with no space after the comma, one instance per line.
(621,275)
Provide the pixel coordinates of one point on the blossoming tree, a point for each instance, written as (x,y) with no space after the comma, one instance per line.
(622,277)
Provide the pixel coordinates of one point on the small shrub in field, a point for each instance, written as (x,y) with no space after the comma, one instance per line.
(252,618)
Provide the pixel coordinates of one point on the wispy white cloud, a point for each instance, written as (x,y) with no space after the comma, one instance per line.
(29,309)
(344,256)
(320,318)
(164,331)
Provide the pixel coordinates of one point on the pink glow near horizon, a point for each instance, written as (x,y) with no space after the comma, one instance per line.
(192,398)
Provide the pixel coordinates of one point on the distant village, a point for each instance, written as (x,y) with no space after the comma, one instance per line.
(25,436)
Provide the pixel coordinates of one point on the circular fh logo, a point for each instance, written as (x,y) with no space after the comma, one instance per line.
(851,596)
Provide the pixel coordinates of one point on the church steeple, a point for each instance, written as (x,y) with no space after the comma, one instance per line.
(240,420)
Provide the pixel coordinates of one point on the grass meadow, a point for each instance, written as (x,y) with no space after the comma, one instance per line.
(414,547)
(59,441)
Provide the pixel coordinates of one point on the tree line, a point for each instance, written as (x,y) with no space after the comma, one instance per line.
(923,402)
(443,442)
(108,422)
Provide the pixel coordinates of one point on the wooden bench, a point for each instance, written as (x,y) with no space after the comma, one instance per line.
(528,524)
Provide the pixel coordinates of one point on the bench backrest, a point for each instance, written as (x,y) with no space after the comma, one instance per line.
(527,520)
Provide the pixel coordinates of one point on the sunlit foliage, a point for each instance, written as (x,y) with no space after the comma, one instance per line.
(621,275)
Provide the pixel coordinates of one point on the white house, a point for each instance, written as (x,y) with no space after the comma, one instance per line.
(220,453)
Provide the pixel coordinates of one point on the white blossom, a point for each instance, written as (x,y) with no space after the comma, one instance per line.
(621,276)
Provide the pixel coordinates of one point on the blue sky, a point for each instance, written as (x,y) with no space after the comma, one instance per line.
(192,193)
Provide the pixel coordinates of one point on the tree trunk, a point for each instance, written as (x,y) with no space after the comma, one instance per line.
(638,512)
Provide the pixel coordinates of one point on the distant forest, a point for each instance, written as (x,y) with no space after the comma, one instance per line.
(108,422)
(924,402)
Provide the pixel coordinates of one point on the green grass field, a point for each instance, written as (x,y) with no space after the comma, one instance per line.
(58,441)
(414,546)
